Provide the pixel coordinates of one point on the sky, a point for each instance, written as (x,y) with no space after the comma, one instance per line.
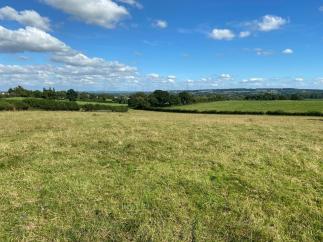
(143,45)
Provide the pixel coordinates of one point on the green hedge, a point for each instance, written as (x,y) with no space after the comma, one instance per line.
(5,106)
(100,107)
(51,105)
(54,105)
(276,113)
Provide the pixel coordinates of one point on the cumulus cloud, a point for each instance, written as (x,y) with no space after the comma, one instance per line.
(73,68)
(28,39)
(288,51)
(153,75)
(225,77)
(76,59)
(66,76)
(244,34)
(222,34)
(299,79)
(262,52)
(132,3)
(162,24)
(171,79)
(253,80)
(270,23)
(26,17)
(104,13)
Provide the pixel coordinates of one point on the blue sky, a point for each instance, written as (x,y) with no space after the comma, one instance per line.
(145,45)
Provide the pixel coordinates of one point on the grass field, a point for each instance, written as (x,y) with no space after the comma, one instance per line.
(255,106)
(146,176)
(101,103)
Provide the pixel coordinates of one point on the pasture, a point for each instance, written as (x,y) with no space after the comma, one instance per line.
(147,176)
(257,106)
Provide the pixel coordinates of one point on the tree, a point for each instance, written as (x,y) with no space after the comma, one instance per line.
(159,98)
(19,91)
(186,98)
(71,95)
(174,99)
(139,101)
(49,93)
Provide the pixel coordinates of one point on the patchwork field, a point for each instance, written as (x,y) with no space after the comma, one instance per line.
(146,176)
(258,106)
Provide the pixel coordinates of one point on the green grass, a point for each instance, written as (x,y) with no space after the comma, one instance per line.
(255,106)
(101,103)
(146,176)
(16,98)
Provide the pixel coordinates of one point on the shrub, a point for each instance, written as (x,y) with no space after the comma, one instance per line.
(52,105)
(100,107)
(19,105)
(5,106)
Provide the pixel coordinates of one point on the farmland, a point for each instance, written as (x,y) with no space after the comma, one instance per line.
(257,106)
(146,176)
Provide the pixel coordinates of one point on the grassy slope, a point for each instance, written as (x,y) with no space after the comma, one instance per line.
(288,106)
(160,177)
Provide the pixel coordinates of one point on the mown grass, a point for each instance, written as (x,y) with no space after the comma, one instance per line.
(145,176)
(258,106)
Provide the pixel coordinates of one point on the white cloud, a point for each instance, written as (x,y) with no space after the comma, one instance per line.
(288,51)
(270,23)
(225,77)
(29,39)
(76,59)
(321,9)
(222,34)
(299,79)
(244,34)
(153,75)
(26,17)
(162,24)
(253,80)
(105,13)
(262,52)
(66,76)
(319,81)
(171,79)
(132,3)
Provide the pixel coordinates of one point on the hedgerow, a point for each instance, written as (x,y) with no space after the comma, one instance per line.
(277,113)
(55,105)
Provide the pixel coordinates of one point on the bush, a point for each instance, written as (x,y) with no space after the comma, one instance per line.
(100,107)
(52,105)
(5,106)
(278,112)
(19,105)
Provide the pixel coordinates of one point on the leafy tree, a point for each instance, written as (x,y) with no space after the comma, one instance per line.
(49,93)
(186,98)
(159,98)
(174,99)
(19,91)
(71,95)
(139,101)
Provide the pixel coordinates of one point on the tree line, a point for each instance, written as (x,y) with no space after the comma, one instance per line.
(51,93)
(159,98)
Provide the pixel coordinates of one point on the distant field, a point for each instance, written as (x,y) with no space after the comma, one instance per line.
(255,106)
(101,103)
(15,98)
(147,176)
